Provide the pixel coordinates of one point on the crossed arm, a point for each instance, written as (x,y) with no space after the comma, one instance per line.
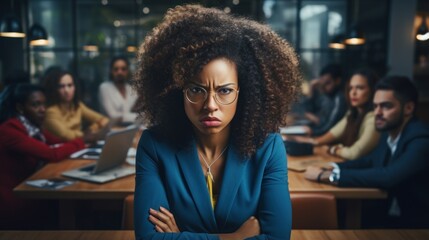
(164,222)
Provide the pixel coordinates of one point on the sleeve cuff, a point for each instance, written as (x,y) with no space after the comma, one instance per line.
(336,169)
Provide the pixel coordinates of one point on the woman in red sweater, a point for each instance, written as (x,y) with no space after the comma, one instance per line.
(24,148)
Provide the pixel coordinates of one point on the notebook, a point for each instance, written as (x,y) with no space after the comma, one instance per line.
(109,166)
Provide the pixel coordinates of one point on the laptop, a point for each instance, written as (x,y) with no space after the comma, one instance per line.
(109,166)
(102,133)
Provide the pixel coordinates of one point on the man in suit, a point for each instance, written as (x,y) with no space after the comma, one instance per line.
(398,164)
(327,104)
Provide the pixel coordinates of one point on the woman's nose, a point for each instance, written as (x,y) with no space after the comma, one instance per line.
(211,103)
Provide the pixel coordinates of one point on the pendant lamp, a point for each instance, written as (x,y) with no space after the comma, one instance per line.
(37,35)
(355,34)
(10,26)
(90,47)
(423,31)
(337,42)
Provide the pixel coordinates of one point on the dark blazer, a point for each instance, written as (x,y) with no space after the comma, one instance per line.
(405,175)
(172,177)
(20,156)
(330,110)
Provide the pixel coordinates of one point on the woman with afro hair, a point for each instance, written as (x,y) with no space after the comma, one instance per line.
(215,89)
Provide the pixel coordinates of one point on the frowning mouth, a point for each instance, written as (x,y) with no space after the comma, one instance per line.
(210,121)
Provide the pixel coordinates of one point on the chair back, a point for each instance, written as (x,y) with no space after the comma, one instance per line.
(128,213)
(314,211)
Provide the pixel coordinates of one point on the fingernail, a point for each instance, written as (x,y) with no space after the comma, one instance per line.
(152,210)
(161,208)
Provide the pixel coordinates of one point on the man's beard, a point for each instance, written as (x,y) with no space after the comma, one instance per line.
(393,124)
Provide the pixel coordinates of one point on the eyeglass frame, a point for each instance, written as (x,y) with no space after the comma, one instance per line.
(207,95)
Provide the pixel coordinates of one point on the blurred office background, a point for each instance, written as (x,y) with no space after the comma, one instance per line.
(83,35)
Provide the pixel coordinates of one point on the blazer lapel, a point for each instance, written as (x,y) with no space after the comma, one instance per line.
(232,177)
(194,177)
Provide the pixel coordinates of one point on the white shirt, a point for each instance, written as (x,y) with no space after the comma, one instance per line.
(394,209)
(114,104)
(393,143)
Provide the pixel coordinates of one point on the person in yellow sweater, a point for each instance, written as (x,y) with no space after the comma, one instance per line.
(354,135)
(66,113)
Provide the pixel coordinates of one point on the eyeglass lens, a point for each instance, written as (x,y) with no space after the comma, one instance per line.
(223,95)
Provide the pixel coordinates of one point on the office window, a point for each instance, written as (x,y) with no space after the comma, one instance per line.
(308,26)
(85,34)
(282,16)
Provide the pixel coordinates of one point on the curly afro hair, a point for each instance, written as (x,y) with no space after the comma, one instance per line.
(191,36)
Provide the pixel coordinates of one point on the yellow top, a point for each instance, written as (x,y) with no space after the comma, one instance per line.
(367,137)
(68,124)
(213,198)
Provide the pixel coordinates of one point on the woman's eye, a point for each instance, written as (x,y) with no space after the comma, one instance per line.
(224,91)
(197,90)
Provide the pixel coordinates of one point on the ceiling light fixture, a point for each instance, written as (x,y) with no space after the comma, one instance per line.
(355,35)
(10,26)
(337,42)
(37,35)
(423,31)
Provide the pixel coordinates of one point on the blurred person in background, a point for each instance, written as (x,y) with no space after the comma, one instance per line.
(326,103)
(24,148)
(399,164)
(66,114)
(116,96)
(354,135)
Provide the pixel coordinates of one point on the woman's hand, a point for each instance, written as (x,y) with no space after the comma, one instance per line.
(103,122)
(163,220)
(249,228)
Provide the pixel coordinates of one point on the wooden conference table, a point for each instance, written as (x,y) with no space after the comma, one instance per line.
(296,235)
(120,188)
(352,197)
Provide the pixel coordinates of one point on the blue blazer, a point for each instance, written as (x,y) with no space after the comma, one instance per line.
(172,177)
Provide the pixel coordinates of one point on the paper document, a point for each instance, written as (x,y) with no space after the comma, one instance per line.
(87,153)
(293,130)
(50,183)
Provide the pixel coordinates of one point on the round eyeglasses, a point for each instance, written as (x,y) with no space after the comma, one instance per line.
(223,95)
